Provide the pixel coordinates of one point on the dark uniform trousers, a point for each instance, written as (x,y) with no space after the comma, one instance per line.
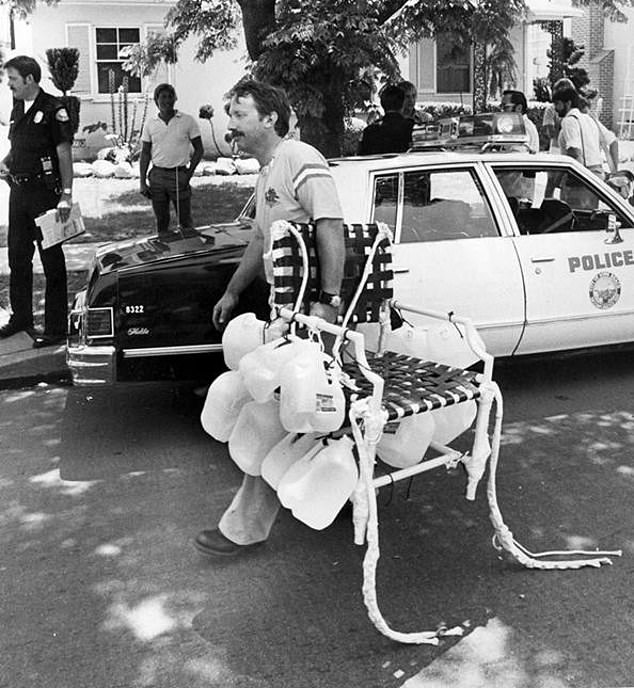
(26,202)
(35,135)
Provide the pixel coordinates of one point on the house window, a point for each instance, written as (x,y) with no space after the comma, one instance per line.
(110,42)
(453,67)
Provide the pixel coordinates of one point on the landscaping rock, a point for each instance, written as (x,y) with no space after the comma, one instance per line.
(225,166)
(123,170)
(247,165)
(208,169)
(103,169)
(82,169)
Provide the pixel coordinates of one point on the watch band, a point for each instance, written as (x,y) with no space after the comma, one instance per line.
(327,299)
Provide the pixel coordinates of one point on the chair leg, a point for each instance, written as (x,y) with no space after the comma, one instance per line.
(366,441)
(503,538)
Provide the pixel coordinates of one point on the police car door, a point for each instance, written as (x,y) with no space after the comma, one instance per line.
(579,273)
(450,254)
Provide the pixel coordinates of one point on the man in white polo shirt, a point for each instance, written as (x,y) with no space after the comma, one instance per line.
(167,141)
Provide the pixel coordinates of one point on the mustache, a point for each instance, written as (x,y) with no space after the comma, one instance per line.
(231,136)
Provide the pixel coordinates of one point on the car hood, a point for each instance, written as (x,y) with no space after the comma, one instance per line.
(142,251)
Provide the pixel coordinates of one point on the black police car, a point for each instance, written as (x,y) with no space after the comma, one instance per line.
(146,311)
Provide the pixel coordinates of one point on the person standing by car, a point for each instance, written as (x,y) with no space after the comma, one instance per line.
(580,137)
(515,101)
(409,110)
(391,134)
(167,139)
(294,184)
(39,170)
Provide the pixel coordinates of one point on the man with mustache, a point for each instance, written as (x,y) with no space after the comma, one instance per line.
(294,184)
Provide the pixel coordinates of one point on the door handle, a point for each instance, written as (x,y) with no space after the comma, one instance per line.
(400,271)
(544,259)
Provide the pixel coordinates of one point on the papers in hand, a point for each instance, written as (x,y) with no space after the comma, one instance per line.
(55,232)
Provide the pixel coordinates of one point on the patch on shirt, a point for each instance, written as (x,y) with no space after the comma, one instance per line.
(37,118)
(61,115)
(271,196)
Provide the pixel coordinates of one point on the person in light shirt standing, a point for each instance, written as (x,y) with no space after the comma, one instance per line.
(167,140)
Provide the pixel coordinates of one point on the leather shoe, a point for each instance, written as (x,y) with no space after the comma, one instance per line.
(214,544)
(42,340)
(11,328)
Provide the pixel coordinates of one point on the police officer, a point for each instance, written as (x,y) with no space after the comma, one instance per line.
(39,170)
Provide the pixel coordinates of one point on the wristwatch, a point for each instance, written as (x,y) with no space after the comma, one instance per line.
(333,300)
(67,192)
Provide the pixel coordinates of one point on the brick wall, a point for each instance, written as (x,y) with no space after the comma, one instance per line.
(588,31)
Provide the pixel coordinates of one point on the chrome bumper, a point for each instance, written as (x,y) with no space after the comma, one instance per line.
(91,365)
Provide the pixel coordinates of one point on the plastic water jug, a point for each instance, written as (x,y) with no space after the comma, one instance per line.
(452,421)
(404,443)
(317,486)
(330,403)
(408,340)
(299,381)
(226,396)
(284,454)
(256,431)
(261,368)
(448,345)
(241,335)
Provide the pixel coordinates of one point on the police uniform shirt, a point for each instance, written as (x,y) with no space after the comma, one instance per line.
(37,133)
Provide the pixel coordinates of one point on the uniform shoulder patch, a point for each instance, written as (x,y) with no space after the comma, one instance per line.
(62,116)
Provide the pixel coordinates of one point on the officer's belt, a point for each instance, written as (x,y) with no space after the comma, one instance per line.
(25,178)
(169,169)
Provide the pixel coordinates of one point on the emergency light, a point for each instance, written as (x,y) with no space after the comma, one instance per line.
(483,130)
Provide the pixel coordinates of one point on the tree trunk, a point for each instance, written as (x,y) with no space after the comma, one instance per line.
(326,133)
(258,20)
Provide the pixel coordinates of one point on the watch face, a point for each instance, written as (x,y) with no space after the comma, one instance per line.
(335,301)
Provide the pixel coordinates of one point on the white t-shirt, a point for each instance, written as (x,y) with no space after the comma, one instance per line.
(580,131)
(170,141)
(296,186)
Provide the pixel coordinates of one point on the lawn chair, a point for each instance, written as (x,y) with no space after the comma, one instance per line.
(384,387)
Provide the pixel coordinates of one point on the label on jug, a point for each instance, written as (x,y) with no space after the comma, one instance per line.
(391,428)
(325,403)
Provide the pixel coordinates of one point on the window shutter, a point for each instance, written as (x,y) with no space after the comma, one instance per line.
(422,58)
(78,36)
(161,74)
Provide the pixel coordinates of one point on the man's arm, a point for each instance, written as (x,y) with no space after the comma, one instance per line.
(246,272)
(144,163)
(331,250)
(65,157)
(197,155)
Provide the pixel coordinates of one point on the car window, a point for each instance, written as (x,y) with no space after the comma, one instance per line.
(442,205)
(386,200)
(546,201)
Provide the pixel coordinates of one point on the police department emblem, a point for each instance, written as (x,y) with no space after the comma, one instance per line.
(605,290)
(271,196)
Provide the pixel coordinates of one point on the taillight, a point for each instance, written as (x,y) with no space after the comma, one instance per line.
(99,322)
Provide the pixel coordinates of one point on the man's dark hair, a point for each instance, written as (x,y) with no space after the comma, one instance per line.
(567,94)
(163,87)
(517,98)
(268,99)
(406,86)
(392,98)
(25,65)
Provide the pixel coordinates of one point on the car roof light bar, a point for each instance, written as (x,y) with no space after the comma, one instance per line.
(485,130)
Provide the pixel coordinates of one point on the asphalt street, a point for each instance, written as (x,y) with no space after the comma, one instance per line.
(103,490)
